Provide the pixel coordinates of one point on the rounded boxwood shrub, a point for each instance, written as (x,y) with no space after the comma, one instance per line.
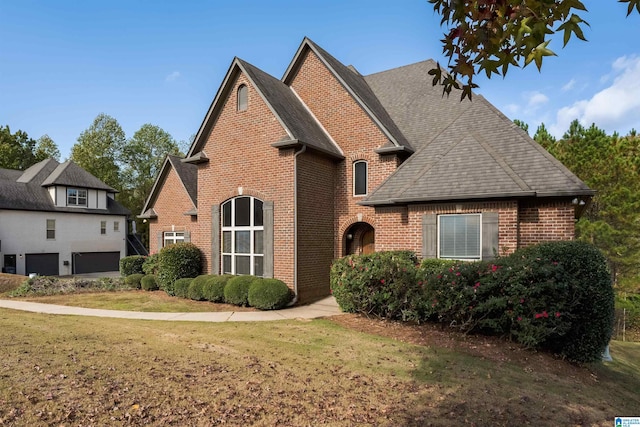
(181,287)
(131,265)
(133,280)
(149,283)
(213,288)
(196,288)
(379,284)
(177,261)
(236,291)
(269,294)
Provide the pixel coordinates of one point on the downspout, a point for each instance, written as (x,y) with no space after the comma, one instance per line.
(295,224)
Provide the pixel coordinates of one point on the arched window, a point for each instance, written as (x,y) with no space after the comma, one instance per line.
(360,178)
(243,99)
(243,236)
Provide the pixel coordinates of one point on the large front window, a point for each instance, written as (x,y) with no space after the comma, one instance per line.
(76,197)
(459,236)
(242,236)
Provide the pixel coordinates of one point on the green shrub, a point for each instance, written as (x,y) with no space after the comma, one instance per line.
(176,262)
(213,288)
(236,291)
(133,280)
(434,266)
(578,307)
(131,265)
(196,288)
(380,284)
(269,294)
(150,265)
(149,283)
(181,287)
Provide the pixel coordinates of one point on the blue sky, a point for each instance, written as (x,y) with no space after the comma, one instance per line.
(64,62)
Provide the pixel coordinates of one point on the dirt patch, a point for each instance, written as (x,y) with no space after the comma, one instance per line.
(9,282)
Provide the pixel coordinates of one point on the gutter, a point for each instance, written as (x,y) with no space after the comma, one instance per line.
(295,224)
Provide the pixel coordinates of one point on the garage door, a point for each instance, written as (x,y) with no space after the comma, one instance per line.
(43,264)
(95,262)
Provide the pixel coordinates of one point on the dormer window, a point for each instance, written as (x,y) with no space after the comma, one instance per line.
(243,98)
(77,197)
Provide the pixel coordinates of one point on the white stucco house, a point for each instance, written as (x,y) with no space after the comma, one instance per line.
(58,219)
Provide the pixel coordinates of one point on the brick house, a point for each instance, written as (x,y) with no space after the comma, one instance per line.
(286,175)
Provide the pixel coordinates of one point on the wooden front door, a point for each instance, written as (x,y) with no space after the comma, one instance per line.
(368,242)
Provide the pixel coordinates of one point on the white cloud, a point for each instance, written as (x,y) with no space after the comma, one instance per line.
(614,108)
(569,85)
(172,77)
(536,99)
(512,109)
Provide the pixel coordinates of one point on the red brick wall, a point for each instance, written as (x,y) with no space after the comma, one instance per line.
(171,204)
(353,130)
(546,221)
(240,153)
(316,177)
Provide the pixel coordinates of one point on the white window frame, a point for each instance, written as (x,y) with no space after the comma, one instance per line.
(51,222)
(116,226)
(479,257)
(103,227)
(74,195)
(232,229)
(366,178)
(172,237)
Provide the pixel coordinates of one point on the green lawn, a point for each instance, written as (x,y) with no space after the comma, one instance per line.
(67,370)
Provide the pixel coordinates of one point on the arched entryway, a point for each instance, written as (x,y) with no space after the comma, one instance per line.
(359,239)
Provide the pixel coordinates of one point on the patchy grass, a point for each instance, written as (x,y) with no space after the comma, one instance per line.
(93,371)
(157,301)
(9,282)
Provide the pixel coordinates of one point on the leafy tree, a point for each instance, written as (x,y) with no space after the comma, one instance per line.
(99,150)
(18,151)
(141,160)
(522,125)
(46,148)
(544,137)
(492,35)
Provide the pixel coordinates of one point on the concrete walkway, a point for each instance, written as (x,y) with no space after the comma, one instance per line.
(323,308)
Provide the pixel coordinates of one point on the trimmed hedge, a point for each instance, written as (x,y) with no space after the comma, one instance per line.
(213,288)
(196,288)
(236,291)
(269,294)
(181,287)
(149,283)
(177,261)
(380,284)
(133,280)
(131,265)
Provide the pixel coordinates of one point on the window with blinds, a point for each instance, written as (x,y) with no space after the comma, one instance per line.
(459,236)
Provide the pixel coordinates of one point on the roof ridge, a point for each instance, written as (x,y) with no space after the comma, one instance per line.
(400,67)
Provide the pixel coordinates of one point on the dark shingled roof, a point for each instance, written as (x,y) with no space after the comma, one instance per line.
(27,190)
(72,175)
(481,154)
(188,174)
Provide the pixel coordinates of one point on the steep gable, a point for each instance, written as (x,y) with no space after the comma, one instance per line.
(72,175)
(187,181)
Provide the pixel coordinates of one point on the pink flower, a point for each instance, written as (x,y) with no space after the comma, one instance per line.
(557,314)
(521,300)
(382,281)
(545,314)
(519,318)
(538,315)
(457,273)
(477,285)
(494,268)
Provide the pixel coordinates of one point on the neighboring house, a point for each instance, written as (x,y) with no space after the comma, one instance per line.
(284,176)
(58,219)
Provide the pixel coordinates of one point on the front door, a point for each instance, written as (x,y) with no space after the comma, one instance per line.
(368,242)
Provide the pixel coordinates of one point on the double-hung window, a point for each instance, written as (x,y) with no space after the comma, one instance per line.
(459,236)
(243,236)
(76,197)
(51,229)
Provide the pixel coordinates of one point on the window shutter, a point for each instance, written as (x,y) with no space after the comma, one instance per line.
(187,236)
(215,239)
(160,240)
(489,235)
(429,236)
(267,211)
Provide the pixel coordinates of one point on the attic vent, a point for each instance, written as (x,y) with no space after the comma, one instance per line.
(243,100)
